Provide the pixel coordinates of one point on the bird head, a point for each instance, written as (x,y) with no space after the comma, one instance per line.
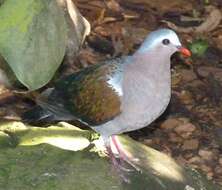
(164,41)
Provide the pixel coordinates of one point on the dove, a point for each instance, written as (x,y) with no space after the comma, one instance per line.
(118,95)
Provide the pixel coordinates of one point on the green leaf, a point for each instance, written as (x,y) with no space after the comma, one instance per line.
(62,135)
(32,39)
(199,47)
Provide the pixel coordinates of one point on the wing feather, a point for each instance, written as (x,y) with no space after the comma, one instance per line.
(93,95)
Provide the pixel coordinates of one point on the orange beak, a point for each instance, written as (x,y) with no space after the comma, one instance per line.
(184,51)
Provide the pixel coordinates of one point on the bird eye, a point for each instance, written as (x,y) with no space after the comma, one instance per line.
(166,41)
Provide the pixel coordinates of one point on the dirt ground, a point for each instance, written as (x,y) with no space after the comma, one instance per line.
(191,129)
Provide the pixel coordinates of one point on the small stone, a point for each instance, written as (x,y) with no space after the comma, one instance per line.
(156,140)
(173,137)
(218,170)
(186,135)
(206,154)
(181,160)
(187,75)
(184,120)
(220,161)
(170,123)
(185,130)
(188,127)
(191,144)
(186,97)
(167,151)
(210,175)
(189,188)
(194,166)
(195,160)
(206,168)
(188,155)
(148,142)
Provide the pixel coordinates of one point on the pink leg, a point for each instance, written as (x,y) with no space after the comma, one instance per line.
(123,156)
(120,151)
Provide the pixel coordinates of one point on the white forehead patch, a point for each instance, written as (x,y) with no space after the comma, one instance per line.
(156,37)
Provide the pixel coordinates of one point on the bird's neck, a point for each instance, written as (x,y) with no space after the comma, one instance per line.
(150,71)
(149,76)
(151,62)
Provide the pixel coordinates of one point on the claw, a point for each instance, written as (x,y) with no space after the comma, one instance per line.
(123,155)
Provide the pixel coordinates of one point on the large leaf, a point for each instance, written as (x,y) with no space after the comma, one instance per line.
(78,29)
(32,39)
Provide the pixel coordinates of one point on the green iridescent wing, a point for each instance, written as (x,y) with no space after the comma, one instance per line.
(93,95)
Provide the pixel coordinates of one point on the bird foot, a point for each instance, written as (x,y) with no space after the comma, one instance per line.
(123,163)
(120,153)
(119,166)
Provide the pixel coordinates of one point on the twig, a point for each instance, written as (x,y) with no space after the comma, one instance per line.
(212,20)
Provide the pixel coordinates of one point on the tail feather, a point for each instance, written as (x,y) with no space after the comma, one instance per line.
(38,115)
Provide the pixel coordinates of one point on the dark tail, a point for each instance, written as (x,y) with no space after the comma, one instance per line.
(38,115)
